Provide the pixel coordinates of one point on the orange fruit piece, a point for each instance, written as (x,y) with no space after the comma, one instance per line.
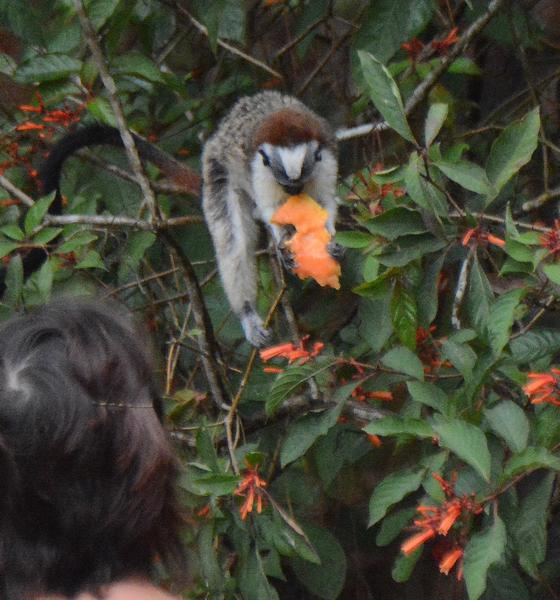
(310,241)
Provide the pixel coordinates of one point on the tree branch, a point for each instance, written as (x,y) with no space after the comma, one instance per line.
(421,91)
(109,83)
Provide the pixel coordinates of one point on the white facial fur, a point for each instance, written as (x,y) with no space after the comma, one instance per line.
(269,195)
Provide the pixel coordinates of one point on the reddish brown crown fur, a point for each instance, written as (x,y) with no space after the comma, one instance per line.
(289,127)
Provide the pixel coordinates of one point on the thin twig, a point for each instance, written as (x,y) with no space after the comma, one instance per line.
(251,59)
(540,200)
(206,340)
(461,289)
(109,84)
(15,191)
(421,91)
(120,221)
(232,413)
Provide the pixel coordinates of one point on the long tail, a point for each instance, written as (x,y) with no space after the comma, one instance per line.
(186,179)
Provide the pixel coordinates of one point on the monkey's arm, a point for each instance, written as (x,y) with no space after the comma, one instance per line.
(234,232)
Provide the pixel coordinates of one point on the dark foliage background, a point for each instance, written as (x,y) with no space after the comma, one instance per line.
(450,283)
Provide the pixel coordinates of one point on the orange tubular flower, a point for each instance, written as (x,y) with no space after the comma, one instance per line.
(449,559)
(292,352)
(250,487)
(414,542)
(374,440)
(29,126)
(452,513)
(480,236)
(543,387)
(551,239)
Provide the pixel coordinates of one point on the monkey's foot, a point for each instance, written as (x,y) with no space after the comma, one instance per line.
(336,251)
(255,332)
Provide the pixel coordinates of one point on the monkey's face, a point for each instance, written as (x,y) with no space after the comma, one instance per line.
(291,167)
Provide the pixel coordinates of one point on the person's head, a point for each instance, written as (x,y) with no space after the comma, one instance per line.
(87,473)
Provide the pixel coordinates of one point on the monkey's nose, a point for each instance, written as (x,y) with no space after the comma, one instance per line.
(293,188)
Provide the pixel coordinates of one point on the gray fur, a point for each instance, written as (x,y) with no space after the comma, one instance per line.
(238,188)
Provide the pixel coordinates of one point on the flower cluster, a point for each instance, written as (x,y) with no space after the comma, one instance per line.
(428,350)
(544,387)
(41,125)
(251,487)
(551,239)
(480,236)
(414,47)
(439,520)
(292,352)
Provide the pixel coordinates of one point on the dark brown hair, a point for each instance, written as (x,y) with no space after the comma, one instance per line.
(88,475)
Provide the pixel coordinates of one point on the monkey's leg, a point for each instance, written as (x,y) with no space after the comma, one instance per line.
(235,233)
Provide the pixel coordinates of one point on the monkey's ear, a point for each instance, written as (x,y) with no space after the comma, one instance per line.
(266,160)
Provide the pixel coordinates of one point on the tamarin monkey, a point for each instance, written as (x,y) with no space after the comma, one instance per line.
(268,147)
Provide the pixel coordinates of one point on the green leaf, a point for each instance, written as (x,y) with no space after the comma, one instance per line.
(501,319)
(13,232)
(401,359)
(388,23)
(209,565)
(216,484)
(133,252)
(508,420)
(47,68)
(505,583)
(374,326)
(393,524)
(14,282)
(410,248)
(46,235)
(385,94)
(467,174)
(461,356)
(552,272)
(288,382)
(530,459)
(253,583)
(7,247)
(434,121)
(428,394)
(353,239)
(467,441)
(44,281)
(512,149)
(305,431)
(391,490)
(422,191)
(36,213)
(99,11)
(481,552)
(404,565)
(137,64)
(403,316)
(479,297)
(427,295)
(396,222)
(101,110)
(79,239)
(535,344)
(324,580)
(464,66)
(399,425)
(92,260)
(530,529)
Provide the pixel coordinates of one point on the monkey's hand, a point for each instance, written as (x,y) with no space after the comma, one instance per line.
(287,258)
(336,251)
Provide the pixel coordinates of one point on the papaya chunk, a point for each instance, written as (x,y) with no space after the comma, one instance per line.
(310,241)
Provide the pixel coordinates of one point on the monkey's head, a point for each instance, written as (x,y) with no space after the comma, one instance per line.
(293,149)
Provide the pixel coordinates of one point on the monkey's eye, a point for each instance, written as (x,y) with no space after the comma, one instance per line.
(318,156)
(266,160)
